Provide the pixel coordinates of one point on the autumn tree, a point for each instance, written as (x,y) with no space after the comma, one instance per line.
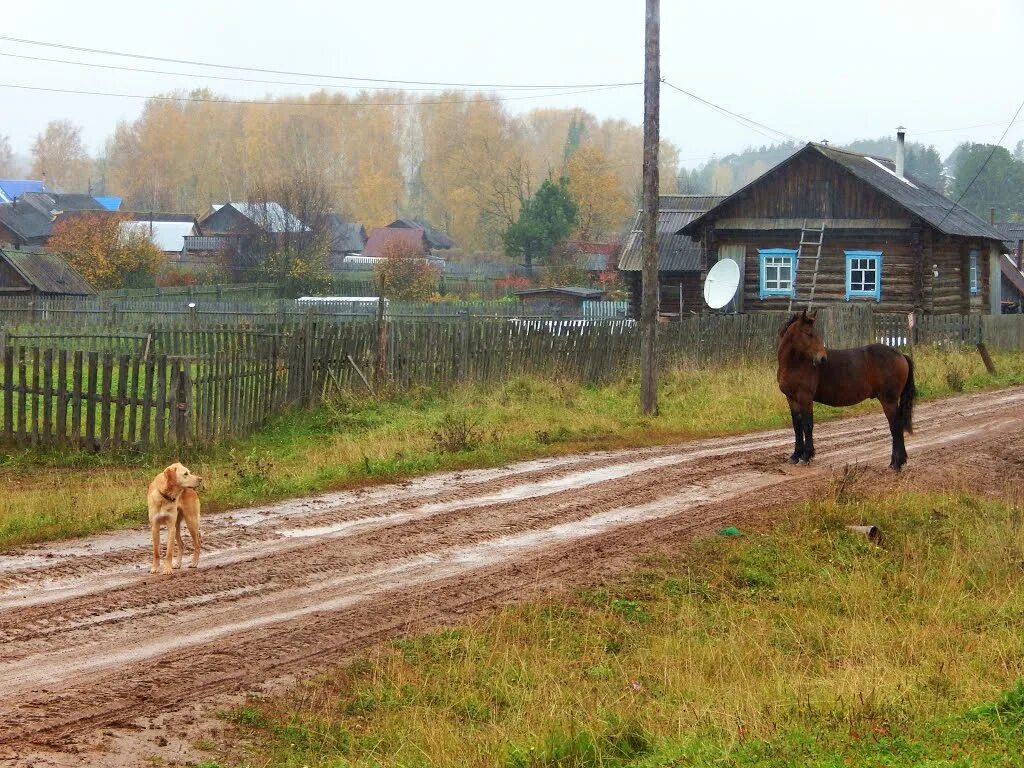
(59,156)
(603,205)
(405,274)
(544,222)
(6,157)
(106,254)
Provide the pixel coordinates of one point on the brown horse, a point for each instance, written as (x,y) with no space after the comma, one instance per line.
(809,373)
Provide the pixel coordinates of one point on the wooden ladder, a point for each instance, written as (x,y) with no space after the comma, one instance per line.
(810,237)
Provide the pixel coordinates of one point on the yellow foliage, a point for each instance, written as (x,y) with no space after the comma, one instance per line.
(96,247)
(604,206)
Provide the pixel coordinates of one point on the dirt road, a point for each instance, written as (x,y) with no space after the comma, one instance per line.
(92,646)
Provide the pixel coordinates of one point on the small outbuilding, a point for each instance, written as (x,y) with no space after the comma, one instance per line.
(36,272)
(566,300)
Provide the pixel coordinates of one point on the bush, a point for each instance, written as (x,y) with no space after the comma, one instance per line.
(457,433)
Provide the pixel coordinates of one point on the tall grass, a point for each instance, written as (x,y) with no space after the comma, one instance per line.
(354,439)
(806,645)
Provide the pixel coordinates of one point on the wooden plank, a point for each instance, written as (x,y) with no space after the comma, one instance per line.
(161,401)
(106,398)
(121,402)
(61,426)
(9,392)
(147,404)
(76,398)
(47,431)
(91,394)
(133,400)
(34,395)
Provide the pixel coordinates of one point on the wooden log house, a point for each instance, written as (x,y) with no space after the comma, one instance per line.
(888,238)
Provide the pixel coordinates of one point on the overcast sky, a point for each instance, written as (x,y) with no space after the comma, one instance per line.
(816,70)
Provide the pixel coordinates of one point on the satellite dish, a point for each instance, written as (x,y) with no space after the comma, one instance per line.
(721,283)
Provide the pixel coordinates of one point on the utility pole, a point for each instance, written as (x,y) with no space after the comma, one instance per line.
(649,296)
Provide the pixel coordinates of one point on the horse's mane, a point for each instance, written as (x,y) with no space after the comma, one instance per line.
(785,325)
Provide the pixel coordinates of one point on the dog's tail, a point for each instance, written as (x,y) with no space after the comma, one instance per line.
(906,405)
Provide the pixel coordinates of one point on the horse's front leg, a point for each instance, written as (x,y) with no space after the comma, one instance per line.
(798,433)
(807,422)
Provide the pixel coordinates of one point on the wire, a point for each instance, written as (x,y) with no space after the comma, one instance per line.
(746,121)
(990,154)
(963,128)
(188,62)
(261,102)
(206,76)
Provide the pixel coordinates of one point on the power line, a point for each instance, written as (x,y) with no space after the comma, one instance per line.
(214,65)
(745,121)
(261,102)
(205,76)
(990,154)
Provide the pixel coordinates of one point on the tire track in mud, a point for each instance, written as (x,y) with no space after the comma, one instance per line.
(87,640)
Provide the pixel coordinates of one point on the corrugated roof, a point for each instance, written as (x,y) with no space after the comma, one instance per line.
(1012,232)
(910,193)
(26,221)
(48,272)
(676,253)
(55,203)
(110,202)
(12,188)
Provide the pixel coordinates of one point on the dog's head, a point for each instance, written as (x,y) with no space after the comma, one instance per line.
(179,476)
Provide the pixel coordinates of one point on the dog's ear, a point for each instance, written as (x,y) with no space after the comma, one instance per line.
(170,475)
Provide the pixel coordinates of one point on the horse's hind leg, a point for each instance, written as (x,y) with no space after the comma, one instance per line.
(899,449)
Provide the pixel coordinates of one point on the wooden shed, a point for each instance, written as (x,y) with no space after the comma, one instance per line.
(35,272)
(887,238)
(680,259)
(566,301)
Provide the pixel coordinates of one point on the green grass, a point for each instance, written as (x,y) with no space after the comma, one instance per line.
(355,440)
(805,645)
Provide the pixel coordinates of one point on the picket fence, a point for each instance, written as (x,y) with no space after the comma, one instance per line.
(137,387)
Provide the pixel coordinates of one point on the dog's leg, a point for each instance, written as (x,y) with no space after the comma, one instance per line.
(168,566)
(179,553)
(155,526)
(192,521)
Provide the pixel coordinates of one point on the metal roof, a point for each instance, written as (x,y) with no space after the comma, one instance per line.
(911,194)
(54,203)
(46,271)
(12,188)
(110,202)
(167,236)
(676,253)
(270,217)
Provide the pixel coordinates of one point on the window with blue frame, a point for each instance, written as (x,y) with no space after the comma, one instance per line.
(777,266)
(864,275)
(974,271)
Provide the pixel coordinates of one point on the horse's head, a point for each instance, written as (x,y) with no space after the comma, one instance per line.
(799,339)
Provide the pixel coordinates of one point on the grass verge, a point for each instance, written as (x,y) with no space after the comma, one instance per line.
(805,645)
(354,440)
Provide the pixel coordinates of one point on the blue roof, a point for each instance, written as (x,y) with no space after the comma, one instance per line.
(12,188)
(110,203)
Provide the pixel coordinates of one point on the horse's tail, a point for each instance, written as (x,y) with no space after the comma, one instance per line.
(907,399)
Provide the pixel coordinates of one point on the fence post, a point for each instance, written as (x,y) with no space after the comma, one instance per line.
(382,340)
(307,363)
(183,405)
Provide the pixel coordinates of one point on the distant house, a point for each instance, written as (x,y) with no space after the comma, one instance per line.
(237,228)
(12,189)
(889,239)
(680,259)
(29,218)
(36,272)
(435,239)
(384,241)
(1012,266)
(594,258)
(566,300)
(167,230)
(345,239)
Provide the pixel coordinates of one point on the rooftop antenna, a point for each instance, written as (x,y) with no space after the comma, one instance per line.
(721,284)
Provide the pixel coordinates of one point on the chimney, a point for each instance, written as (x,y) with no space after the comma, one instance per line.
(901,135)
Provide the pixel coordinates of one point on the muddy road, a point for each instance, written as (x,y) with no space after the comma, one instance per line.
(92,646)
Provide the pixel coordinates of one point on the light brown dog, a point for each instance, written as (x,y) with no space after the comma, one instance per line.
(171,498)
